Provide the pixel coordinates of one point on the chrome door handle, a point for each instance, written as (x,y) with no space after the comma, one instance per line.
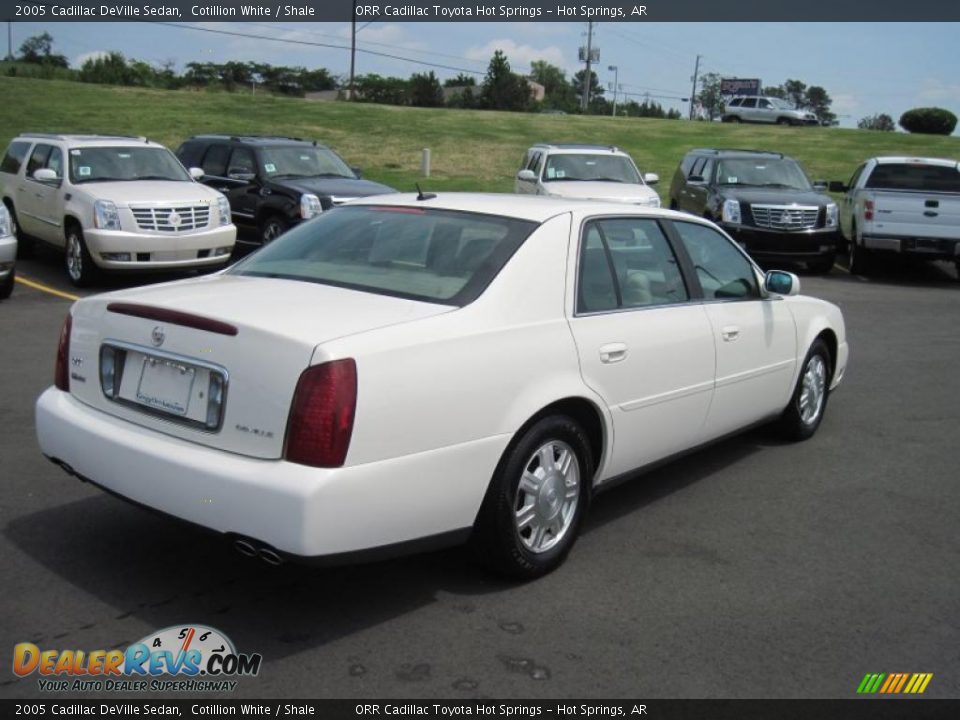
(730,333)
(612,353)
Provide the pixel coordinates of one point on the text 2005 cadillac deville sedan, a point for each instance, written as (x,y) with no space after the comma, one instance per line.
(412,371)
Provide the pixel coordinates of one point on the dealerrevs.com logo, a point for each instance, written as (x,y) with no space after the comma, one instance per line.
(187,658)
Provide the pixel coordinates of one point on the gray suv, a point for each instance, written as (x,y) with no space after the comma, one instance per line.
(758,109)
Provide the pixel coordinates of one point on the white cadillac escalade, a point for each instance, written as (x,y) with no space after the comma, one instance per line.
(114,203)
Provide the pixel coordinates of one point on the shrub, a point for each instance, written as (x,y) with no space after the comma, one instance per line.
(928,121)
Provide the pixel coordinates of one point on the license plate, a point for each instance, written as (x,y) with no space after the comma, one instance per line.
(166,385)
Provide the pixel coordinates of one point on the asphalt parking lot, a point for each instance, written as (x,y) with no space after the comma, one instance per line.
(750,569)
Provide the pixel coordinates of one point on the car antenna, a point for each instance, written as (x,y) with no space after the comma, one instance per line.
(421,195)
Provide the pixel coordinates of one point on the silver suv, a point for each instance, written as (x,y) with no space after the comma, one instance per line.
(759,109)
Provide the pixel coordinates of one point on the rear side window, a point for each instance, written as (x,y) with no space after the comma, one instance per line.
(749,103)
(915,176)
(627,263)
(14,157)
(430,255)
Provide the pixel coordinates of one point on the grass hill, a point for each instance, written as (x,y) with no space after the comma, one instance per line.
(471,150)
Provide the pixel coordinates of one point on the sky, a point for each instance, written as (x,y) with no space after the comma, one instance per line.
(867,68)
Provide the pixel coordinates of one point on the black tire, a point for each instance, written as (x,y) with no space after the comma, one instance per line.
(6,286)
(797,421)
(497,539)
(673,205)
(822,265)
(272,227)
(783,121)
(76,258)
(734,119)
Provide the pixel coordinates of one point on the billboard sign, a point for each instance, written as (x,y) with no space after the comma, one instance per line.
(740,86)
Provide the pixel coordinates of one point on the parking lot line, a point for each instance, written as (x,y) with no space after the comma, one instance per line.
(44,288)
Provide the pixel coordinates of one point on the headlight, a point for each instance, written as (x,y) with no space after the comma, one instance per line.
(105,215)
(6,226)
(310,206)
(223,207)
(731,212)
(832,215)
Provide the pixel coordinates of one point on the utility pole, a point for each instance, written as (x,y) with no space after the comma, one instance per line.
(693,92)
(585,100)
(9,40)
(353,45)
(616,86)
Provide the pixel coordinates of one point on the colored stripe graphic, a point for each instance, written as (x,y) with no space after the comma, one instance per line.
(894,683)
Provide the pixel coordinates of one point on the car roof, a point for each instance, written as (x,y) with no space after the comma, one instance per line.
(263,140)
(578,148)
(535,208)
(100,140)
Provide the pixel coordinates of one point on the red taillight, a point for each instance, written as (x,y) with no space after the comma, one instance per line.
(321,417)
(61,375)
(868,209)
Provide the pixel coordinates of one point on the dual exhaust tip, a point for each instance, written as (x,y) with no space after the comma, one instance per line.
(247,548)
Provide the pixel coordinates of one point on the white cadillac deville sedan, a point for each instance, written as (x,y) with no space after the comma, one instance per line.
(410,371)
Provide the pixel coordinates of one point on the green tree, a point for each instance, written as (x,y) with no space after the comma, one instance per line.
(108,69)
(796,92)
(818,101)
(709,97)
(378,89)
(881,122)
(776,91)
(461,80)
(578,85)
(558,94)
(502,89)
(425,90)
(38,50)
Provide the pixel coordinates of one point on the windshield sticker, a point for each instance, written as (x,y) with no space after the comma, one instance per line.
(75,153)
(83,170)
(124,156)
(731,179)
(270,167)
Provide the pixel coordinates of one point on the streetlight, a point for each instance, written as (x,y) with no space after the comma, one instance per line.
(615,71)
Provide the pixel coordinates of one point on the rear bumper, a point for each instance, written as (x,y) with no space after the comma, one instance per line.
(801,245)
(299,511)
(161,252)
(930,248)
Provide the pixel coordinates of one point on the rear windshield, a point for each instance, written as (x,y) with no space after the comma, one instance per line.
(437,256)
(906,176)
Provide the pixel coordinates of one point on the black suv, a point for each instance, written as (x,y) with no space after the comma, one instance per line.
(763,200)
(274,183)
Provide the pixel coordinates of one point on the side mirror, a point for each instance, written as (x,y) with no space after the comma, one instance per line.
(241,175)
(820,185)
(196,173)
(779,282)
(46,175)
(837,186)
(651,178)
(357,171)
(527,176)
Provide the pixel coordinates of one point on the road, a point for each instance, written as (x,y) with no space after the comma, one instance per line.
(749,569)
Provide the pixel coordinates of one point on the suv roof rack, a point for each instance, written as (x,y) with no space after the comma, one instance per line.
(244,138)
(578,146)
(82,136)
(748,151)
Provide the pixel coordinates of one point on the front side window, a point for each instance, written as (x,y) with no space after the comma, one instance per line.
(38,158)
(242,162)
(438,256)
(627,263)
(575,166)
(303,161)
(124,163)
(55,161)
(749,103)
(724,273)
(215,160)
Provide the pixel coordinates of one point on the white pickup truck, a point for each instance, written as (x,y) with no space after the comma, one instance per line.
(901,205)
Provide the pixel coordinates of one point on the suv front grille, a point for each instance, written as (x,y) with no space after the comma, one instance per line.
(785,217)
(172,219)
